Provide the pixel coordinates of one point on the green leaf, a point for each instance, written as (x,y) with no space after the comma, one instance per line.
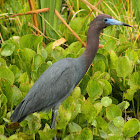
(30,41)
(7,74)
(118,121)
(124,67)
(134,79)
(7,90)
(107,88)
(86,134)
(99,66)
(106,101)
(37,61)
(1,129)
(2,62)
(7,48)
(73,127)
(123,105)
(16,71)
(94,89)
(114,129)
(27,54)
(131,128)
(113,59)
(110,44)
(132,55)
(113,111)
(76,92)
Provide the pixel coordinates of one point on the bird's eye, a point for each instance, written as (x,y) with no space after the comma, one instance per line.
(105,19)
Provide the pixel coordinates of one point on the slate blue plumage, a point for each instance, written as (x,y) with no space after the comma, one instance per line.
(58,81)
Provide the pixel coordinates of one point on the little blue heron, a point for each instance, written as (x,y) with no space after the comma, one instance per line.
(59,80)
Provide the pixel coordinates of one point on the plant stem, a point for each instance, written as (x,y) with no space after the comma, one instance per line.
(133,108)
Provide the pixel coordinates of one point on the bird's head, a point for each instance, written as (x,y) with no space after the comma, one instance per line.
(102,21)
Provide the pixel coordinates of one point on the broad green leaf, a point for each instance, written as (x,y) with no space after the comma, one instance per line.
(114,129)
(7,48)
(7,90)
(98,107)
(110,44)
(113,59)
(34,124)
(6,74)
(123,105)
(132,55)
(73,127)
(30,41)
(113,111)
(17,96)
(16,71)
(101,57)
(107,88)
(118,121)
(88,110)
(76,92)
(37,61)
(1,129)
(129,94)
(2,62)
(94,89)
(131,128)
(99,66)
(124,67)
(106,101)
(134,79)
(86,134)
(26,54)
(3,100)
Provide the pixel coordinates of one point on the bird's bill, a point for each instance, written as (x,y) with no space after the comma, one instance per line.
(116,22)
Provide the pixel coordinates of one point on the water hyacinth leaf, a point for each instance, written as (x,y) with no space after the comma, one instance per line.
(132,55)
(88,110)
(7,48)
(34,123)
(134,79)
(44,53)
(118,121)
(37,61)
(76,92)
(106,101)
(107,88)
(116,137)
(94,89)
(1,129)
(86,134)
(73,136)
(17,96)
(41,69)
(114,129)
(124,67)
(123,105)
(113,111)
(30,41)
(99,66)
(7,74)
(131,128)
(16,71)
(129,94)
(101,57)
(7,90)
(27,54)
(113,59)
(3,100)
(2,62)
(110,44)
(73,127)
(83,84)
(58,53)
(98,107)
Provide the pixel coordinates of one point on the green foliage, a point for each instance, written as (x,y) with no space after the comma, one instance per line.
(109,92)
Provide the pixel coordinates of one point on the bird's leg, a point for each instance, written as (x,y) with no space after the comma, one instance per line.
(54,114)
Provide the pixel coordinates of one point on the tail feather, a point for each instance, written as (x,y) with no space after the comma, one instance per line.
(18,115)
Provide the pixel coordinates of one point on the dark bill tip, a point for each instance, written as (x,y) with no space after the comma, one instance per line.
(124,24)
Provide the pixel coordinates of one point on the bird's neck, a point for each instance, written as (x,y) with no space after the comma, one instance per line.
(92,45)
